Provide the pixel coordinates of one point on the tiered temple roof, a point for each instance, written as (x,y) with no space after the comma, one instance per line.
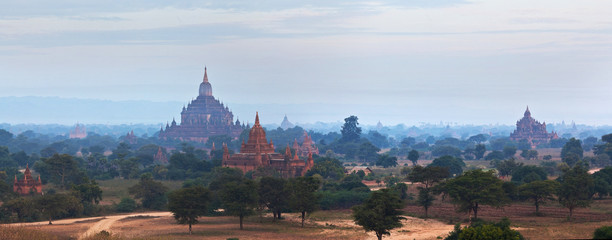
(78,132)
(308,146)
(27,185)
(202,118)
(531,130)
(258,152)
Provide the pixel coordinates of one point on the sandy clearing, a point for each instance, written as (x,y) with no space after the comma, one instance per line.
(107,222)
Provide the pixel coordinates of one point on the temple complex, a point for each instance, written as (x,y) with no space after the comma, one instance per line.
(27,185)
(531,130)
(204,117)
(258,152)
(130,138)
(308,146)
(78,132)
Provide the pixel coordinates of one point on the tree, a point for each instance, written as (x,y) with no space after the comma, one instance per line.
(478,138)
(539,192)
(350,131)
(443,150)
(507,167)
(577,188)
(529,154)
(386,161)
(428,176)
(126,205)
(572,146)
(413,156)
(88,193)
(152,193)
(58,166)
(604,232)
(303,197)
(56,205)
(239,198)
(274,194)
(495,155)
(479,150)
(528,173)
(187,204)
(509,151)
(379,213)
(475,188)
(482,230)
(453,164)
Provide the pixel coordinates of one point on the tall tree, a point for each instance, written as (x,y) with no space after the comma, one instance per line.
(577,188)
(413,156)
(187,204)
(240,198)
(303,196)
(379,213)
(59,167)
(453,164)
(479,151)
(274,194)
(572,146)
(539,192)
(428,176)
(152,193)
(386,161)
(350,131)
(475,188)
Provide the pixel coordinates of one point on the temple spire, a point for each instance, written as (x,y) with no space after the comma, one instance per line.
(256,118)
(205,75)
(527,112)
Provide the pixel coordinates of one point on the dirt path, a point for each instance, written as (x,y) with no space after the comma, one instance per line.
(108,221)
(98,223)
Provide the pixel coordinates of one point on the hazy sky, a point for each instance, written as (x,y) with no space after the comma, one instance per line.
(395,61)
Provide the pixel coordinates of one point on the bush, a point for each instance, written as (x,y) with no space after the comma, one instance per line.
(481,230)
(126,205)
(341,199)
(604,232)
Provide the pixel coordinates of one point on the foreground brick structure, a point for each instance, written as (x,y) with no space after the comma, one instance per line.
(27,185)
(204,117)
(258,152)
(531,130)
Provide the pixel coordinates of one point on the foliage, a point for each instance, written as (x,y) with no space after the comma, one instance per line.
(328,168)
(152,193)
(126,205)
(479,150)
(577,188)
(273,193)
(303,197)
(350,131)
(529,154)
(386,161)
(572,146)
(444,150)
(453,164)
(604,232)
(509,151)
(343,199)
(62,169)
(187,204)
(58,205)
(603,182)
(239,198)
(475,188)
(486,231)
(413,156)
(379,213)
(495,155)
(539,192)
(528,173)
(507,167)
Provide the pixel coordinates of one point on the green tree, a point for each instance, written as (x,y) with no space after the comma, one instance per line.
(187,204)
(274,194)
(428,176)
(475,188)
(59,167)
(509,151)
(89,193)
(152,193)
(572,146)
(56,205)
(350,131)
(413,156)
(126,205)
(539,192)
(479,151)
(379,213)
(239,198)
(506,167)
(303,197)
(495,155)
(328,168)
(577,188)
(604,232)
(486,231)
(453,164)
(386,161)
(528,173)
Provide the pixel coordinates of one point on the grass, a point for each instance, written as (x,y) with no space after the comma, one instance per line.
(10,233)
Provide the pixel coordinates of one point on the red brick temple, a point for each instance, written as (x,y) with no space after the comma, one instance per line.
(204,117)
(531,130)
(258,152)
(27,185)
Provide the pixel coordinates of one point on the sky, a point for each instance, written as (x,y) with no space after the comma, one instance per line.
(468,62)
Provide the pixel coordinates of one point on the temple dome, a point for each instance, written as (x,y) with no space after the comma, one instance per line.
(205,87)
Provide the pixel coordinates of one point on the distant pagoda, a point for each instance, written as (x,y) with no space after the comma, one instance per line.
(308,146)
(78,132)
(531,130)
(204,117)
(286,124)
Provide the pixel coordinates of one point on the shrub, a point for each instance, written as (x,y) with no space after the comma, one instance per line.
(604,232)
(126,205)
